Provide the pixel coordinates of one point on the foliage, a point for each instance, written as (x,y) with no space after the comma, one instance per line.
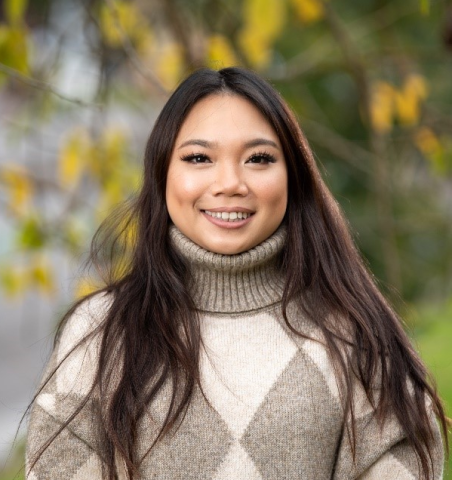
(370,99)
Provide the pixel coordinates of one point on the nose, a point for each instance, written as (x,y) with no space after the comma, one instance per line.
(229,180)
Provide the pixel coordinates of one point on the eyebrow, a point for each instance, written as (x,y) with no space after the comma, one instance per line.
(250,144)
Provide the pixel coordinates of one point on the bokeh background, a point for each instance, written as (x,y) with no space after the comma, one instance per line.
(81,83)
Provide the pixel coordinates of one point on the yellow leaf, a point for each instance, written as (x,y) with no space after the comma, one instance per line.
(144,42)
(109,27)
(20,188)
(170,65)
(84,287)
(12,280)
(15,10)
(427,141)
(73,158)
(408,99)
(112,189)
(40,275)
(263,22)
(382,106)
(256,50)
(128,232)
(123,20)
(308,11)
(407,107)
(429,144)
(267,17)
(220,51)
(14,48)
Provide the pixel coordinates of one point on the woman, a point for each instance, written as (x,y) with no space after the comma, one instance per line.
(244,339)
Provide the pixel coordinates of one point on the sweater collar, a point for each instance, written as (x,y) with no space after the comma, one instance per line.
(233,283)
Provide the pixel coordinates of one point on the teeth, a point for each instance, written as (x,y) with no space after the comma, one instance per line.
(229,216)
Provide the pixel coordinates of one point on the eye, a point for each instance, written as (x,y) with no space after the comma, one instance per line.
(195,158)
(262,158)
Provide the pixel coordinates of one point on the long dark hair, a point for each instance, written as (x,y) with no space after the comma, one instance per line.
(152,331)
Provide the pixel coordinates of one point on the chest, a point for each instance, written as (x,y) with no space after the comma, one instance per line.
(268,408)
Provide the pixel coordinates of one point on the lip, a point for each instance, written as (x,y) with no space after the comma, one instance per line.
(219,222)
(229,209)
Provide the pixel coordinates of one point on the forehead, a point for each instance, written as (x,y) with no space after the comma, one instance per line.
(223,118)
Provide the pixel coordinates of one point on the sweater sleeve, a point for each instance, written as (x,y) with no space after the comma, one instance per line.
(383,452)
(73,451)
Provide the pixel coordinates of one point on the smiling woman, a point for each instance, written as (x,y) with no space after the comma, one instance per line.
(246,340)
(227,177)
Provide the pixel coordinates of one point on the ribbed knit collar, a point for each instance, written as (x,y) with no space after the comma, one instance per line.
(233,283)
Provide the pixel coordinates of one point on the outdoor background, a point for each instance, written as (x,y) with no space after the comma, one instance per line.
(81,83)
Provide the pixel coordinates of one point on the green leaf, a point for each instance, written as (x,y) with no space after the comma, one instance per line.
(31,235)
(425,7)
(14,47)
(15,10)
(11,280)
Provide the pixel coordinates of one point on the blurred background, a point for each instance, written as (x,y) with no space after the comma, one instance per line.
(82,81)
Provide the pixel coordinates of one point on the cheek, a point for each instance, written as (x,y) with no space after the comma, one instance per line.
(182,188)
(274,192)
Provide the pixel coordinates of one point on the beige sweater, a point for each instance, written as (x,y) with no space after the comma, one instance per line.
(273,409)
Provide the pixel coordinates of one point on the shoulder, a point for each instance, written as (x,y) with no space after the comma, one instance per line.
(76,353)
(86,319)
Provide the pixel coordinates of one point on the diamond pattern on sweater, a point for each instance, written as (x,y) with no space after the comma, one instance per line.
(237,465)
(241,364)
(68,450)
(191,452)
(286,435)
(239,367)
(318,354)
(291,426)
(371,443)
(47,401)
(404,454)
(90,470)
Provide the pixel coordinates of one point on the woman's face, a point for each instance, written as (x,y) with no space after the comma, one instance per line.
(227,177)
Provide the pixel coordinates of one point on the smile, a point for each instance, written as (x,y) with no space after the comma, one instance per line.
(229,216)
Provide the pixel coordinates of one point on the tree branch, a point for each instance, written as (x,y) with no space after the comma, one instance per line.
(356,156)
(132,55)
(315,54)
(377,145)
(44,86)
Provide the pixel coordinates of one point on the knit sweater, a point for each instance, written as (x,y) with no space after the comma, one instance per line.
(271,409)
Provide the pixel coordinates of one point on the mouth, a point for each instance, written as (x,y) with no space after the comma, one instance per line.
(234,216)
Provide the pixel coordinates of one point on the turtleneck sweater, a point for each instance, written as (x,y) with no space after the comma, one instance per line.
(239,283)
(268,406)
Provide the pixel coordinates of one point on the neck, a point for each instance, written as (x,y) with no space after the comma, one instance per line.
(233,283)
